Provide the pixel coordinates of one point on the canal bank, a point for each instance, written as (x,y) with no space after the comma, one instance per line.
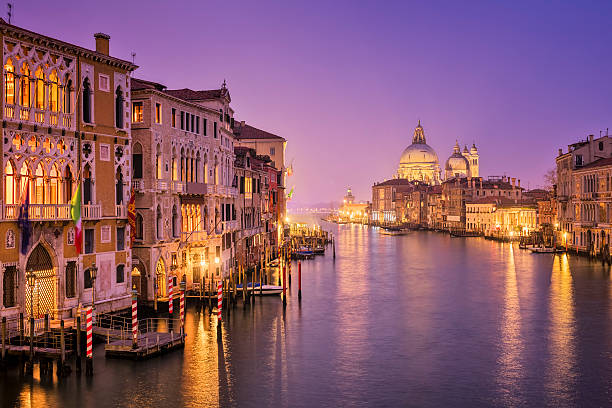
(416,320)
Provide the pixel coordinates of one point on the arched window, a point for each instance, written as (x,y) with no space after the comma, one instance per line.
(137,161)
(187,166)
(41,88)
(184,218)
(174,165)
(174,222)
(191,160)
(216,174)
(159,223)
(10,192)
(119,108)
(158,162)
(87,185)
(139,227)
(55,187)
(68,184)
(182,164)
(25,85)
(39,183)
(119,186)
(9,83)
(25,174)
(54,86)
(68,95)
(205,169)
(197,169)
(86,101)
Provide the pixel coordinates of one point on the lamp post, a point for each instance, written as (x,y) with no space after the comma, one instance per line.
(31,278)
(93,273)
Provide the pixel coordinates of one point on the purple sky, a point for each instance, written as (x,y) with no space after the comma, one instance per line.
(345,82)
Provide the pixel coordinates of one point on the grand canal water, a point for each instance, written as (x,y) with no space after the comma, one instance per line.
(420,320)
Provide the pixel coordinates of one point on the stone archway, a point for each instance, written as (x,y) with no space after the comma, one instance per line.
(41,298)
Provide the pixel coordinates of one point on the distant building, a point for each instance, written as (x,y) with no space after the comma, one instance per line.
(350,211)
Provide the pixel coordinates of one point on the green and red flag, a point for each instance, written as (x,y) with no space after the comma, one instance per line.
(75,213)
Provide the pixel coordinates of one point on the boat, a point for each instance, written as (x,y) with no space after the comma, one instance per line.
(266,290)
(544,250)
(319,250)
(393,231)
(303,253)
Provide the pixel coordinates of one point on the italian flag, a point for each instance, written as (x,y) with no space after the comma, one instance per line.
(75,213)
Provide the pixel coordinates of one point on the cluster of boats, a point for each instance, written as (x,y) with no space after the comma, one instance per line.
(304,252)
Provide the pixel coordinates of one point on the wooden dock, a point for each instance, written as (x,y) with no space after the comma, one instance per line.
(149,345)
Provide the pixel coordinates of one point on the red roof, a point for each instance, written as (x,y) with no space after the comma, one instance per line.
(191,95)
(138,84)
(249,132)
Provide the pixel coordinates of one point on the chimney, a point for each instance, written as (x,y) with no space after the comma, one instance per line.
(513,181)
(102,43)
(519,183)
(590,138)
(480,183)
(560,152)
(242,123)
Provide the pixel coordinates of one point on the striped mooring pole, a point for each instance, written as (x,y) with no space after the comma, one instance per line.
(182,306)
(289,262)
(89,343)
(219,300)
(134,318)
(170,302)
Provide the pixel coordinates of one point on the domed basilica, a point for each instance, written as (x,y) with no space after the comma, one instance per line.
(419,161)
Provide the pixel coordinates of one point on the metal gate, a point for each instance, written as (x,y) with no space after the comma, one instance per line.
(41,298)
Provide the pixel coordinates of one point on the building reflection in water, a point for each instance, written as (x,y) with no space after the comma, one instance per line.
(510,367)
(561,372)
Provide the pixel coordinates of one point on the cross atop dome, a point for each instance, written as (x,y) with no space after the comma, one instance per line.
(419,134)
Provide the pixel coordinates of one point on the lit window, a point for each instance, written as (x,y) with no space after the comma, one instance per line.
(9,83)
(158,114)
(137,112)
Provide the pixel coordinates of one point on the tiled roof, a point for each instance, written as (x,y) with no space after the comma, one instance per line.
(138,84)
(191,95)
(249,132)
(597,163)
(394,182)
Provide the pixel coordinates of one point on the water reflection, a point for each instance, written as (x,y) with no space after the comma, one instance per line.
(561,371)
(510,368)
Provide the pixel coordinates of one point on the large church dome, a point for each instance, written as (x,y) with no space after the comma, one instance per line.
(419,161)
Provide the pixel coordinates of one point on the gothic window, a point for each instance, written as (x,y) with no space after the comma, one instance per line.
(71,279)
(39,183)
(158,162)
(87,101)
(197,168)
(55,186)
(25,86)
(139,227)
(182,164)
(10,187)
(174,222)
(41,88)
(119,108)
(205,169)
(159,222)
(9,283)
(87,186)
(9,83)
(119,186)
(10,239)
(67,185)
(54,87)
(174,165)
(68,95)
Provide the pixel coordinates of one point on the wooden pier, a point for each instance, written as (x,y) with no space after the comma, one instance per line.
(149,345)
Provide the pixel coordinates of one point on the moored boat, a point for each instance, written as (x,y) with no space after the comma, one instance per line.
(266,290)
(393,231)
(544,250)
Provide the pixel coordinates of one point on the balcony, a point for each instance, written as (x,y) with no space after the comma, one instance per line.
(196,188)
(138,185)
(38,212)
(39,116)
(162,185)
(121,210)
(230,225)
(91,211)
(177,187)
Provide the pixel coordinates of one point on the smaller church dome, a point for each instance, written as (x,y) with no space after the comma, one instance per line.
(457,165)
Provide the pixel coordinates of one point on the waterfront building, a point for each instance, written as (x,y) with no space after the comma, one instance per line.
(387,197)
(581,195)
(501,217)
(350,211)
(435,218)
(456,192)
(66,124)
(419,161)
(271,145)
(184,185)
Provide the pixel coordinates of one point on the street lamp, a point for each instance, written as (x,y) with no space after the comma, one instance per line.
(31,278)
(93,274)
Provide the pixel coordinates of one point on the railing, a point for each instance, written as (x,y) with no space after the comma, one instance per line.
(138,185)
(196,188)
(230,225)
(38,212)
(39,116)
(121,211)
(178,186)
(162,185)
(92,211)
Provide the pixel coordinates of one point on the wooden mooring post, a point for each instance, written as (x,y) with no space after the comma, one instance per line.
(3,340)
(63,369)
(299,281)
(78,344)
(30,364)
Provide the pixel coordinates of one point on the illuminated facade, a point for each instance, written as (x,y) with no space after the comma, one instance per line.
(185,186)
(66,116)
(462,163)
(419,161)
